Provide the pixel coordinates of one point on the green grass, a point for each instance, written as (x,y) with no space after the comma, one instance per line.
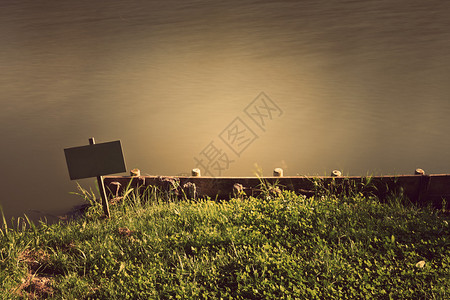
(279,246)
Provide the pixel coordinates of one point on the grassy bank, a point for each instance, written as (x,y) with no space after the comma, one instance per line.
(277,246)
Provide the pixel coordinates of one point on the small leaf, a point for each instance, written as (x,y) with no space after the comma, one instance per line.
(122,266)
(420,264)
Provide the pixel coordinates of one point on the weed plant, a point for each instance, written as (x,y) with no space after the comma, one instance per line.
(278,246)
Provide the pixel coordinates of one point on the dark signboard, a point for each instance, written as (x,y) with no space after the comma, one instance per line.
(95,160)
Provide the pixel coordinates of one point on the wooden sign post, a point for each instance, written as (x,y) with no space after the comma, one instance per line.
(96,160)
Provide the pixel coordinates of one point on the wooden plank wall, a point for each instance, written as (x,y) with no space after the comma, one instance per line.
(421,189)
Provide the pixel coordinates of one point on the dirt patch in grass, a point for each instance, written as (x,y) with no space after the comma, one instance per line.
(39,280)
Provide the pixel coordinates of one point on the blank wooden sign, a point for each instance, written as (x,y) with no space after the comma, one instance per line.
(95,160)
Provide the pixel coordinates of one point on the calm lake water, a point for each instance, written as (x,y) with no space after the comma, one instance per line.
(360,86)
